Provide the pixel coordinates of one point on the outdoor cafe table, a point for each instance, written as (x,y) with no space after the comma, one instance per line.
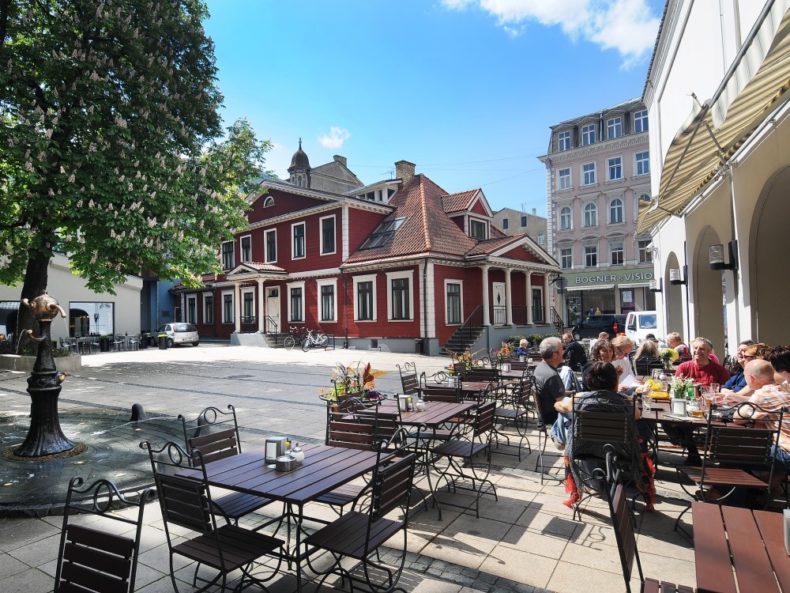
(737,550)
(324,469)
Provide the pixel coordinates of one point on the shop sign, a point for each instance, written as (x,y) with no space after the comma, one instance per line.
(623,277)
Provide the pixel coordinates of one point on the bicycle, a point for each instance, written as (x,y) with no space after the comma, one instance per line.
(314,339)
(296,337)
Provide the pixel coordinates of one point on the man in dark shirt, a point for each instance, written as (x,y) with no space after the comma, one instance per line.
(575,356)
(548,384)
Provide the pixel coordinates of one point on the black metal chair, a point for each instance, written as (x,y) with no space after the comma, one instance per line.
(186,502)
(410,381)
(91,559)
(359,535)
(212,436)
(543,434)
(473,440)
(512,405)
(732,454)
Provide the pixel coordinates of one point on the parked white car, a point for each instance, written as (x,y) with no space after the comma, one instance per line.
(640,323)
(180,333)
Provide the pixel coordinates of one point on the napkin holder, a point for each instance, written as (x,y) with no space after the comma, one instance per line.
(786,525)
(274,448)
(678,407)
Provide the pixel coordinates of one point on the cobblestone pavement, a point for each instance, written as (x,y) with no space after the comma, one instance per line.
(525,542)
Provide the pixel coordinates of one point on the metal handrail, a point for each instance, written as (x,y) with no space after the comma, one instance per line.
(267,320)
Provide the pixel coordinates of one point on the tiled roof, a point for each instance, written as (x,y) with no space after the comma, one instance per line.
(263,267)
(426,228)
(493,244)
(458,202)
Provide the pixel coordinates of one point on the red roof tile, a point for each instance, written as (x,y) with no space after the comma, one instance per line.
(460,201)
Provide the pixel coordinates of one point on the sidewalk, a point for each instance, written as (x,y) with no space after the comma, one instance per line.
(525,542)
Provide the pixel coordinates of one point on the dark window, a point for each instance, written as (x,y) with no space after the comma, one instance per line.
(227,308)
(246,249)
(477,229)
(328,235)
(327,302)
(505,223)
(365,301)
(296,304)
(271,246)
(227,255)
(208,309)
(523,221)
(400,299)
(383,234)
(453,303)
(298,241)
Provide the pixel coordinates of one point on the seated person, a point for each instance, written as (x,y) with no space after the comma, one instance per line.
(779,357)
(675,342)
(548,383)
(603,336)
(647,358)
(622,348)
(737,380)
(736,388)
(601,380)
(575,356)
(523,348)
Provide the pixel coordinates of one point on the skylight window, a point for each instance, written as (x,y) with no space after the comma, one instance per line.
(383,234)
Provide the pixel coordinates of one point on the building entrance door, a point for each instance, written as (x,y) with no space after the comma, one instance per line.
(500,303)
(272,310)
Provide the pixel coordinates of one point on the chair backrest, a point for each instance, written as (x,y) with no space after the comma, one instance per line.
(410,382)
(595,427)
(392,483)
(623,524)
(441,393)
(214,432)
(350,430)
(484,420)
(92,559)
(644,366)
(482,374)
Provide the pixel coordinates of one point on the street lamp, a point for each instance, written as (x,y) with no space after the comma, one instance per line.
(656,285)
(677,276)
(717,256)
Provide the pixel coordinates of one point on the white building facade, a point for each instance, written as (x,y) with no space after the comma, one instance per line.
(717,98)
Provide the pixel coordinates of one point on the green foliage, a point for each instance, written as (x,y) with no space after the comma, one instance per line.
(111,147)
(514,341)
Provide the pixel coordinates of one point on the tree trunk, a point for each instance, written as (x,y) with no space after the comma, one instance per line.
(36,277)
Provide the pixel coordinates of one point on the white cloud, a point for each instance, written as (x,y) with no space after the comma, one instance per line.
(335,139)
(626,26)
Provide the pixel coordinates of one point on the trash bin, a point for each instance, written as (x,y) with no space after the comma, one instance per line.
(104,343)
(144,338)
(164,342)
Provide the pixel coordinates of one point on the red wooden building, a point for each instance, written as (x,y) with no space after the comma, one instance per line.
(401,265)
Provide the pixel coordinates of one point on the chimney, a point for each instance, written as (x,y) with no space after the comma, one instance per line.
(404,170)
(341,159)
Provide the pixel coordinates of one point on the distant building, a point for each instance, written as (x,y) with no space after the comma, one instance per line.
(399,265)
(516,222)
(598,170)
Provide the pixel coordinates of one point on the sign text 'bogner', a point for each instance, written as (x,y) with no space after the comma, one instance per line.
(625,277)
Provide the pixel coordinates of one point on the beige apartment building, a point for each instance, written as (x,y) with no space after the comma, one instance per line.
(597,172)
(515,222)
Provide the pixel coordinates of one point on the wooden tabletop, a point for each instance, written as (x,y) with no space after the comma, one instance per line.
(435,413)
(737,550)
(476,386)
(324,469)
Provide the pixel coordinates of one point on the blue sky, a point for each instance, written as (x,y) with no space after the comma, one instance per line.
(466,89)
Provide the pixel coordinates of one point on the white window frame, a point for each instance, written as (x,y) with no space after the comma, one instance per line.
(319,311)
(589,131)
(409,274)
(232,306)
(616,245)
(485,228)
(645,254)
(304,240)
(268,202)
(570,258)
(614,124)
(232,255)
(266,255)
(288,287)
(609,166)
(642,121)
(585,172)
(191,298)
(564,141)
(321,234)
(560,178)
(251,290)
(594,214)
(505,224)
(357,280)
(208,295)
(643,161)
(569,211)
(597,259)
(620,207)
(461,300)
(241,248)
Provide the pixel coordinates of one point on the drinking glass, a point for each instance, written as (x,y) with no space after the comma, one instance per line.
(647,399)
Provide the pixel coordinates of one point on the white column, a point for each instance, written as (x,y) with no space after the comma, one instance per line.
(529,298)
(486,320)
(261,302)
(508,298)
(237,306)
(546,299)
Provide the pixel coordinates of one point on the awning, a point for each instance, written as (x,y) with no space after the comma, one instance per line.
(591,287)
(634,285)
(700,148)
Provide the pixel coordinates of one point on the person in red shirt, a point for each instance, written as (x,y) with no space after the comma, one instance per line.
(701,368)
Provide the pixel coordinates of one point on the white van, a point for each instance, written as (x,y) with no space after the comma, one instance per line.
(640,323)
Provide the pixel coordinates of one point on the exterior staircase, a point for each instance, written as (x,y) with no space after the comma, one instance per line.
(467,334)
(275,340)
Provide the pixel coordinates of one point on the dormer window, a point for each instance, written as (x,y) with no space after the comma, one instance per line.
(383,234)
(478,230)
